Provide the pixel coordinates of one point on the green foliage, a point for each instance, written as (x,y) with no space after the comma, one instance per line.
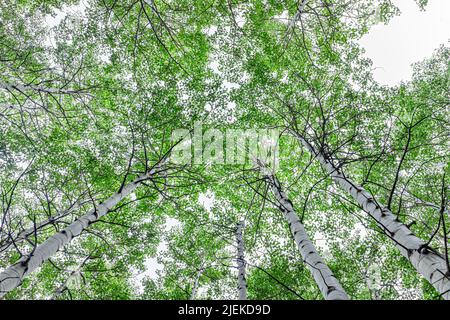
(90,103)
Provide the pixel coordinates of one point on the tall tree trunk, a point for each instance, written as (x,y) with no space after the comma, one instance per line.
(25,234)
(429,263)
(197,282)
(12,277)
(328,285)
(292,22)
(242,282)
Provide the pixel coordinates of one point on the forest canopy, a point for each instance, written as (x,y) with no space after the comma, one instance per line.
(219,149)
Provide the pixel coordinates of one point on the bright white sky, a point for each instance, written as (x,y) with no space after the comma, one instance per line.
(406,39)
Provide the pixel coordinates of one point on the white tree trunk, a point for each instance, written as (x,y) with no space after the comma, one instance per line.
(242,282)
(430,264)
(197,282)
(23,88)
(328,285)
(292,22)
(299,11)
(23,235)
(12,277)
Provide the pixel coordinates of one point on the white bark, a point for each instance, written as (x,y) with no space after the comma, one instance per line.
(295,19)
(23,235)
(242,282)
(428,263)
(197,282)
(328,285)
(297,15)
(12,277)
(23,88)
